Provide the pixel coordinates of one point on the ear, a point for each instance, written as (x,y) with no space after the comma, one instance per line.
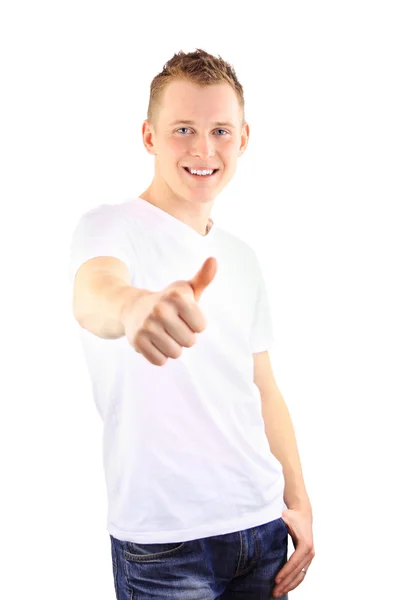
(244,138)
(148,136)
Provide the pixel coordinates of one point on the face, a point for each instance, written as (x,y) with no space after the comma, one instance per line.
(214,139)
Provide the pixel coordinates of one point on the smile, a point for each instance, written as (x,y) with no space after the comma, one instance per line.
(194,176)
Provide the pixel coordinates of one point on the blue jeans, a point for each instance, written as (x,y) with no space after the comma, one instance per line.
(233,566)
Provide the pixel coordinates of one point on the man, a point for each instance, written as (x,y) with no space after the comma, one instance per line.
(203,475)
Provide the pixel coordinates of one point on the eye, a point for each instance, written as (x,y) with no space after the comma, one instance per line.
(224,130)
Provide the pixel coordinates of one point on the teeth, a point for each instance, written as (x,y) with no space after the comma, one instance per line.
(193,172)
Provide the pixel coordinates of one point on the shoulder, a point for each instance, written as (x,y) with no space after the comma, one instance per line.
(103,217)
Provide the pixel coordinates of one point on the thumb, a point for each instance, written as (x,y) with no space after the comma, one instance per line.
(203,277)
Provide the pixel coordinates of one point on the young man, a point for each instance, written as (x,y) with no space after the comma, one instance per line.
(203,475)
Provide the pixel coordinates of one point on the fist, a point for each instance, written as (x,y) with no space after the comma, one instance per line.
(160,324)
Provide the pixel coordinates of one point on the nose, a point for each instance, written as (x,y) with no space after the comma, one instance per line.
(202,146)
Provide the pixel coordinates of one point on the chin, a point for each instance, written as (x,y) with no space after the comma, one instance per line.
(201,196)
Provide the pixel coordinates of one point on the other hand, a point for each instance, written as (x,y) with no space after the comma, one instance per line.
(299,523)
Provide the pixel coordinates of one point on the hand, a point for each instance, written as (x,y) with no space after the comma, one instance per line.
(159,324)
(299,522)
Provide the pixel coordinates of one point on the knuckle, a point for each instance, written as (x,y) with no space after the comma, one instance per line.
(158,312)
(145,330)
(310,550)
(136,340)
(173,296)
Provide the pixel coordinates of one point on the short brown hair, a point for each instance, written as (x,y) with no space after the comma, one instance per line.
(199,67)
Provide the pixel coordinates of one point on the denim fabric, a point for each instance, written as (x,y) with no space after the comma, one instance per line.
(233,566)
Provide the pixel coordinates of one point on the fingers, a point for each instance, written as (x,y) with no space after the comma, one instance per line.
(151,352)
(290,584)
(170,319)
(177,311)
(296,562)
(291,574)
(165,332)
(179,334)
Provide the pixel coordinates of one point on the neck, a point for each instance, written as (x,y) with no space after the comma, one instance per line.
(195,215)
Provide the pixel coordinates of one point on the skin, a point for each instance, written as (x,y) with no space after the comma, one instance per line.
(202,144)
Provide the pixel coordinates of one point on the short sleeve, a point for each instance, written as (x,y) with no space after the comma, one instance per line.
(99,232)
(262,335)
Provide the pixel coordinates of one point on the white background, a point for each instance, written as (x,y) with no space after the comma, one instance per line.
(316,195)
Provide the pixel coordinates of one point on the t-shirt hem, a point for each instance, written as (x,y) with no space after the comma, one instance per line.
(269,513)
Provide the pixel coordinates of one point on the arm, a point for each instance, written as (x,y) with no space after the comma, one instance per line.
(101,292)
(280,433)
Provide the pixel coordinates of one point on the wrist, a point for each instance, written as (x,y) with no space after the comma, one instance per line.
(130,303)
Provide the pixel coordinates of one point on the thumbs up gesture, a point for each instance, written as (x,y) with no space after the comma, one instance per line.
(159,324)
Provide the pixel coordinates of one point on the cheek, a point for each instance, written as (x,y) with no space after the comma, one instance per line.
(176,146)
(229,149)
(230,155)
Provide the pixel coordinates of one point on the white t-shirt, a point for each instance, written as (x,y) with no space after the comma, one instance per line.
(185,452)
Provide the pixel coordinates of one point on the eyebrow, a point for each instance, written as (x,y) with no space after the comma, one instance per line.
(215,124)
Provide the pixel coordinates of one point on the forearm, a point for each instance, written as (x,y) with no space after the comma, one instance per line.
(282,441)
(102,304)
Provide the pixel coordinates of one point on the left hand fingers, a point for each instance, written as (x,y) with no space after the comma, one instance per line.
(291,581)
(296,562)
(291,574)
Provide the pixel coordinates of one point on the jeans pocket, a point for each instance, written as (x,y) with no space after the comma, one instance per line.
(147,552)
